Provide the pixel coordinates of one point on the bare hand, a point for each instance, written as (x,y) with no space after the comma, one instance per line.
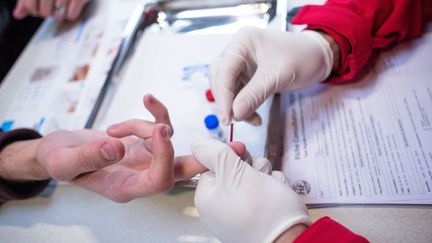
(59,9)
(141,161)
(136,161)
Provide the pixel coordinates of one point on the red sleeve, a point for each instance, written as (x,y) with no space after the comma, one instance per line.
(327,230)
(360,27)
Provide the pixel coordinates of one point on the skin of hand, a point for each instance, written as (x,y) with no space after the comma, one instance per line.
(245,203)
(45,8)
(133,159)
(258,63)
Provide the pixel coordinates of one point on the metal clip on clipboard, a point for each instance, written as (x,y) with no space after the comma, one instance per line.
(141,18)
(184,16)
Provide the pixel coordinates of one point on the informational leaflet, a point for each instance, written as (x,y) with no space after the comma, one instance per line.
(56,81)
(64,80)
(366,142)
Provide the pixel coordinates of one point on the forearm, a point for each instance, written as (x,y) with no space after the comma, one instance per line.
(18,162)
(291,234)
(335,49)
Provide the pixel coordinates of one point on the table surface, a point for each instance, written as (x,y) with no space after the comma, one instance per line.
(71,214)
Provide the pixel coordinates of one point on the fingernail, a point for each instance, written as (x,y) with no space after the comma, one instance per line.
(151,98)
(254,120)
(113,127)
(166,132)
(107,151)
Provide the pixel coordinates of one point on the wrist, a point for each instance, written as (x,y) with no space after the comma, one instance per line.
(291,234)
(18,162)
(335,49)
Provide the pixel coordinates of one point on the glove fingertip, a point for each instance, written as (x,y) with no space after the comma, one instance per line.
(242,108)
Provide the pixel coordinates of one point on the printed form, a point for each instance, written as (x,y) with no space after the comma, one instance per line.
(369,142)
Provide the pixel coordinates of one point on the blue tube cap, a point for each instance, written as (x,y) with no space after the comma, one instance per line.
(211,122)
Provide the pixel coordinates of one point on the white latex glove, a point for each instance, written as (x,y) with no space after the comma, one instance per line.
(258,63)
(240,203)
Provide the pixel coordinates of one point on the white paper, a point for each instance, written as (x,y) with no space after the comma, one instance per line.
(368,142)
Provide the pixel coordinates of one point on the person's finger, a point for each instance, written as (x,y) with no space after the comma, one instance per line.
(74,9)
(141,128)
(46,7)
(232,70)
(239,148)
(32,7)
(67,163)
(121,186)
(241,151)
(254,119)
(279,176)
(217,157)
(20,11)
(157,109)
(159,177)
(163,153)
(243,79)
(262,85)
(186,167)
(60,9)
(223,77)
(148,144)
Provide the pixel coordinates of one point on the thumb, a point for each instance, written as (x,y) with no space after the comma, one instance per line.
(262,85)
(222,84)
(68,163)
(20,11)
(218,157)
(223,76)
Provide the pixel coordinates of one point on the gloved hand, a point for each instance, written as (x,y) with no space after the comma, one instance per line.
(258,63)
(240,203)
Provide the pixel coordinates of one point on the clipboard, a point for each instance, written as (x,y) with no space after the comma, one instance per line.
(202,14)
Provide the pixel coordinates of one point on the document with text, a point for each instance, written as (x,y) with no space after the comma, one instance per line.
(369,142)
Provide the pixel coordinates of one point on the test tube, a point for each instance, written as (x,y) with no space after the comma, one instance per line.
(231,132)
(212,125)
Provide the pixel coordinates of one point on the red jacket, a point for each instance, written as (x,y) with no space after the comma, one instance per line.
(327,230)
(361,27)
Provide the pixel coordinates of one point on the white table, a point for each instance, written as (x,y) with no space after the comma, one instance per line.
(72,214)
